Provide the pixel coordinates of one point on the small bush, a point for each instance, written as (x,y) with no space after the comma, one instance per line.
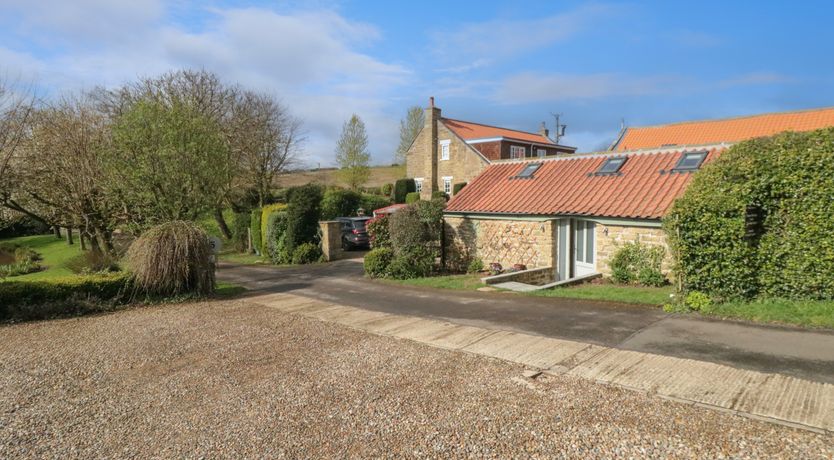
(407,230)
(378,261)
(438,195)
(172,259)
(379,232)
(458,187)
(306,253)
(255,228)
(19,268)
(414,262)
(92,262)
(475,266)
(636,262)
(698,301)
(33,300)
(402,188)
(339,203)
(412,197)
(387,189)
(303,212)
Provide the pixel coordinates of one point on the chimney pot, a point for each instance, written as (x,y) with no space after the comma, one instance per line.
(431,101)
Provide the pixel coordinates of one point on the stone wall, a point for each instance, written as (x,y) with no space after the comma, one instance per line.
(508,242)
(462,166)
(535,276)
(610,238)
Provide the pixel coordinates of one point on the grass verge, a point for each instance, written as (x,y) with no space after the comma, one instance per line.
(459,282)
(807,313)
(243,259)
(611,293)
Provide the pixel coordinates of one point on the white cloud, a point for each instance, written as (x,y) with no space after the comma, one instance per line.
(311,59)
(476,44)
(531,87)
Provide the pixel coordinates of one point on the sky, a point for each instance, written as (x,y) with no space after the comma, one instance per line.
(510,64)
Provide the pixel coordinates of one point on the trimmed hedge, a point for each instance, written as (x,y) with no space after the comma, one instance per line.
(339,203)
(276,238)
(371,202)
(32,300)
(303,212)
(412,197)
(789,179)
(266,211)
(403,187)
(240,227)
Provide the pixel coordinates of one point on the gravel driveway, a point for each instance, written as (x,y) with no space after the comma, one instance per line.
(225,379)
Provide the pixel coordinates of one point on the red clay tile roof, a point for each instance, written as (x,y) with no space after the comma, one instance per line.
(467,130)
(726,130)
(563,186)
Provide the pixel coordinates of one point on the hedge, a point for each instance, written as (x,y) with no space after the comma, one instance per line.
(255,230)
(371,202)
(240,227)
(32,300)
(276,238)
(403,187)
(339,203)
(787,179)
(303,213)
(266,211)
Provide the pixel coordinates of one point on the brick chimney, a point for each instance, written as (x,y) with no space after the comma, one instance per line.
(544,131)
(432,119)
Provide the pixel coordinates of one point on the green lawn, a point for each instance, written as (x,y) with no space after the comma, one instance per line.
(611,293)
(808,313)
(244,259)
(608,292)
(55,254)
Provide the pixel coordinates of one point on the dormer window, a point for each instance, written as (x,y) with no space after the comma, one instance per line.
(527,172)
(690,161)
(611,166)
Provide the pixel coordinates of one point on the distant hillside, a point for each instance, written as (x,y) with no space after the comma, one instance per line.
(327,176)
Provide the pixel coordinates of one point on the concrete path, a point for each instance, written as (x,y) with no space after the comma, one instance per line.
(772,397)
(771,350)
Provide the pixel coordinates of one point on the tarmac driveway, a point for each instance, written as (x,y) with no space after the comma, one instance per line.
(791,351)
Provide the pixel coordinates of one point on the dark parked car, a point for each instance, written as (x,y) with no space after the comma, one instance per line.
(354,233)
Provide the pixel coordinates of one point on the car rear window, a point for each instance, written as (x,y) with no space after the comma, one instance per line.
(359,224)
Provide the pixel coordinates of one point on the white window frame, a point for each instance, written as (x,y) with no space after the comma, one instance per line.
(541,153)
(445,147)
(418,184)
(516,150)
(447,185)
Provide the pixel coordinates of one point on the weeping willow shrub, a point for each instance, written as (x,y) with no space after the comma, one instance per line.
(172,259)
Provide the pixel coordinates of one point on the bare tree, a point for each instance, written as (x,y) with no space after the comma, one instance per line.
(59,174)
(16,105)
(269,139)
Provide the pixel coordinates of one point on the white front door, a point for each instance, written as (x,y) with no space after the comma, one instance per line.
(584,247)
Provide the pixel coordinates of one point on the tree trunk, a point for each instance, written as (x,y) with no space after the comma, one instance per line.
(221,223)
(57,231)
(69,236)
(81,239)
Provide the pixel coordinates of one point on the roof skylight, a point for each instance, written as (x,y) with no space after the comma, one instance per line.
(527,172)
(690,161)
(611,166)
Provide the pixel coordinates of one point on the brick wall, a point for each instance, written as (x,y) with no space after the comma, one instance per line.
(507,242)
(617,235)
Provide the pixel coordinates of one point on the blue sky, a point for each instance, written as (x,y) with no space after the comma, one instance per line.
(504,63)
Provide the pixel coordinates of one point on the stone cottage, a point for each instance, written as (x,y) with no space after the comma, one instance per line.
(447,151)
(569,213)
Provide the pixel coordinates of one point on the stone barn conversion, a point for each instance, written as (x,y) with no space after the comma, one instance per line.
(566,216)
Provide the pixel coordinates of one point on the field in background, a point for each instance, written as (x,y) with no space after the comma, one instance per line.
(327,176)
